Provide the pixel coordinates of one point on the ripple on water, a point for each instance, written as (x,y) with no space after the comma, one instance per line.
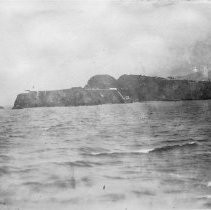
(114,197)
(158,151)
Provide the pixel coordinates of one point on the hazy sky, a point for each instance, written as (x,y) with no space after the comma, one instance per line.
(55,44)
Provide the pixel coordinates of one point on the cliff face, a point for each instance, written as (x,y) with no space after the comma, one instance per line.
(143,88)
(68,97)
(126,89)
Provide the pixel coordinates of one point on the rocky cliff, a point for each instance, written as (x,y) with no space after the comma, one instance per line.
(102,82)
(143,88)
(103,89)
(67,97)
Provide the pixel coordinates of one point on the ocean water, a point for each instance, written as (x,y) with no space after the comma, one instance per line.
(150,155)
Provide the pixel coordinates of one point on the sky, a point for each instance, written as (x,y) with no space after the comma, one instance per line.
(56,44)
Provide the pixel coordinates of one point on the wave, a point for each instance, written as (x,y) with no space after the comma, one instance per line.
(146,150)
(176,146)
(183,141)
(204,197)
(79,163)
(143,151)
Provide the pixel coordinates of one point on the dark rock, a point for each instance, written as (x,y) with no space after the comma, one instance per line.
(143,88)
(17,107)
(67,97)
(102,82)
(104,89)
(1,107)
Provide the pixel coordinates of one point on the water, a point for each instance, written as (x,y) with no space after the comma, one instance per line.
(151,155)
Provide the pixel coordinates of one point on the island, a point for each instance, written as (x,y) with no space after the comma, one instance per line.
(105,89)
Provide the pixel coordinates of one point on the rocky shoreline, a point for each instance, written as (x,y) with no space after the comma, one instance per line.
(104,89)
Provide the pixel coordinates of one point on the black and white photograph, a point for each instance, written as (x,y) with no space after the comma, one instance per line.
(105,105)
